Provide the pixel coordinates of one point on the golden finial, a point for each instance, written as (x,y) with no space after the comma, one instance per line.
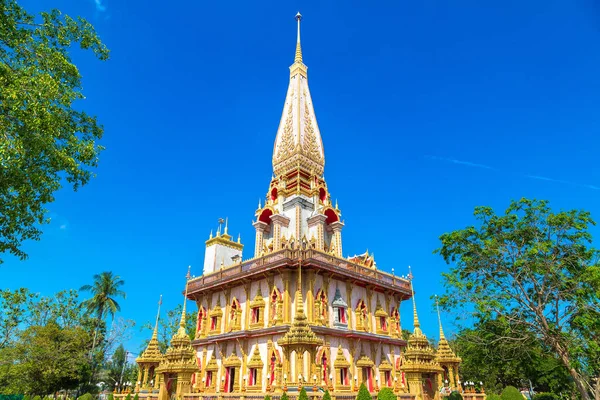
(437,305)
(210,236)
(259,205)
(155,333)
(226,223)
(239,238)
(412,290)
(182,321)
(336,205)
(298,58)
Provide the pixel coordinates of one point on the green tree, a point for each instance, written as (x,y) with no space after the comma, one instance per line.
(105,289)
(116,368)
(534,269)
(284,396)
(385,394)
(45,139)
(267,397)
(499,363)
(50,358)
(455,396)
(303,395)
(511,393)
(363,393)
(13,309)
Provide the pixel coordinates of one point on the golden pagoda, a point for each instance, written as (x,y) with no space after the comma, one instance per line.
(447,360)
(419,362)
(174,373)
(149,361)
(296,312)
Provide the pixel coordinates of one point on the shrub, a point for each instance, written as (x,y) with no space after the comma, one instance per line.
(385,394)
(363,393)
(303,395)
(86,396)
(136,397)
(37,398)
(26,397)
(284,396)
(511,393)
(326,395)
(111,397)
(455,396)
(128,397)
(545,396)
(267,397)
(493,397)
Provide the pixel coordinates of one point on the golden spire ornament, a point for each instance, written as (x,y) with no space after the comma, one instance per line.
(298,58)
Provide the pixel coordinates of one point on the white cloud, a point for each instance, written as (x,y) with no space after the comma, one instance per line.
(99,6)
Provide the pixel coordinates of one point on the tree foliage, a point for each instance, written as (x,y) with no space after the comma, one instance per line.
(49,358)
(44,138)
(326,395)
(499,363)
(386,394)
(363,393)
(511,393)
(303,395)
(534,270)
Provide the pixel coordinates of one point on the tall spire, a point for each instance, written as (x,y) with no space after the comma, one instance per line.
(155,333)
(437,306)
(298,141)
(298,58)
(182,321)
(415,316)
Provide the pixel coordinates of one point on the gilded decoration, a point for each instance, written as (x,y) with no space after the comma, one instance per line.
(256,361)
(321,309)
(215,318)
(286,146)
(275,307)
(310,146)
(364,361)
(257,310)
(381,319)
(201,322)
(235,316)
(362,316)
(232,361)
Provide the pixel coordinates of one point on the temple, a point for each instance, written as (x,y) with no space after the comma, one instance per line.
(297,313)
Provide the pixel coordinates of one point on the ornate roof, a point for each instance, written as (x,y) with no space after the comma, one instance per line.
(340,360)
(419,356)
(366,259)
(445,355)
(181,356)
(338,301)
(298,140)
(300,336)
(152,354)
(255,361)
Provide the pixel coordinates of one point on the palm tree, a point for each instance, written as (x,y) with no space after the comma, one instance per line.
(105,289)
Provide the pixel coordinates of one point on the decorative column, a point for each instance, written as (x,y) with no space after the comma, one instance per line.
(318,221)
(336,227)
(310,297)
(287,304)
(261,229)
(351,316)
(279,221)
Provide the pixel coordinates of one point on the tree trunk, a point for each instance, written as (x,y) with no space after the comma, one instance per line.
(577,378)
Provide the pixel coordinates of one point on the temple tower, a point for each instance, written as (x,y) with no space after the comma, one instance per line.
(149,361)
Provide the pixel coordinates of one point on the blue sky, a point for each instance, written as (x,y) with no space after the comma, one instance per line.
(427,109)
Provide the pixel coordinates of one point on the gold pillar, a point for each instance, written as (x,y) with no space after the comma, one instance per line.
(310,298)
(286,298)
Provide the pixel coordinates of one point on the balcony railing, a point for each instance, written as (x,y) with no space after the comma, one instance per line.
(310,256)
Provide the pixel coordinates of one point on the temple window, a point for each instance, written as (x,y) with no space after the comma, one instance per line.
(382,319)
(257,311)
(388,378)
(215,319)
(321,308)
(200,322)
(235,316)
(342,371)
(275,307)
(255,368)
(344,378)
(252,377)
(340,307)
(362,316)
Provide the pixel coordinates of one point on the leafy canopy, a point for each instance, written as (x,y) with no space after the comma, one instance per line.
(43,137)
(535,270)
(363,393)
